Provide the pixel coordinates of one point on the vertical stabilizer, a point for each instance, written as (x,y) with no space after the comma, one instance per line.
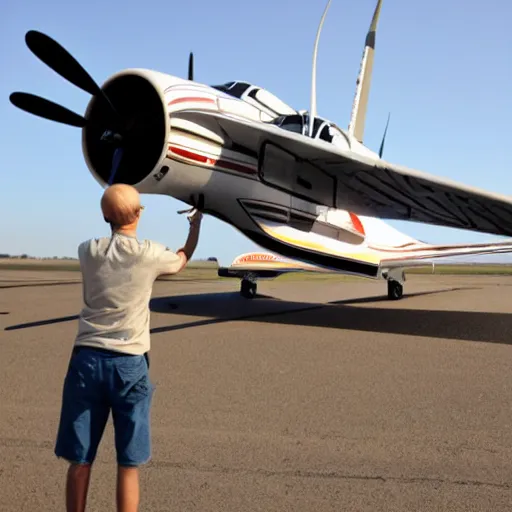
(358,116)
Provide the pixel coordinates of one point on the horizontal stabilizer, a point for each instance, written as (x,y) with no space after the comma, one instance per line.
(265,265)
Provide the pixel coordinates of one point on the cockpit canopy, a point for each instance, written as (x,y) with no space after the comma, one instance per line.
(258,97)
(276,112)
(299,123)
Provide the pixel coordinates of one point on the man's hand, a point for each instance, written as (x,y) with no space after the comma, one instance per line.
(185,253)
(195,217)
(194,214)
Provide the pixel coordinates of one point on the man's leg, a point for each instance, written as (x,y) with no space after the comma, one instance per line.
(83,418)
(128,490)
(77,485)
(131,401)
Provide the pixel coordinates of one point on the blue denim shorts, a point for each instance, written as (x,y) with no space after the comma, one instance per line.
(96,383)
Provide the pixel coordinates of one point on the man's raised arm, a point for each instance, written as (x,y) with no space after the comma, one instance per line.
(172,263)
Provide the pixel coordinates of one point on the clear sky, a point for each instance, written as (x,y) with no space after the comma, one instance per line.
(442,68)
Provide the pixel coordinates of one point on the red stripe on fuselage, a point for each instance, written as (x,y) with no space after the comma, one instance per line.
(211,161)
(191,99)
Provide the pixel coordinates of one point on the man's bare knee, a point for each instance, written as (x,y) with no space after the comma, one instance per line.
(79,467)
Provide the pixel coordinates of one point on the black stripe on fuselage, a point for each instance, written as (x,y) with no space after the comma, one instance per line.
(271,244)
(289,251)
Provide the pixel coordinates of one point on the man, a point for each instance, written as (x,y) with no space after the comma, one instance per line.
(108,369)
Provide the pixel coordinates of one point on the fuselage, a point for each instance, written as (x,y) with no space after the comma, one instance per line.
(175,155)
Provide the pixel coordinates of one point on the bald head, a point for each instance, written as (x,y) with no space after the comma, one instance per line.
(120,204)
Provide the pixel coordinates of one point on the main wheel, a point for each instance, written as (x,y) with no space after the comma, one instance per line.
(395,290)
(248,289)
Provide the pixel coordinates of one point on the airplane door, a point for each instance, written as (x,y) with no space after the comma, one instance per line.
(281,169)
(277,168)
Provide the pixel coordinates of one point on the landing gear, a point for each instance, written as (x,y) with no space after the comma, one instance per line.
(395,290)
(248,288)
(396,279)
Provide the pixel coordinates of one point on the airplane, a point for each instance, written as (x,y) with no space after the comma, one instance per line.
(297,185)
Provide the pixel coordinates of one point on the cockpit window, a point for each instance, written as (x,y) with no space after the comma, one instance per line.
(299,123)
(325,134)
(235,89)
(293,123)
(271,101)
(316,125)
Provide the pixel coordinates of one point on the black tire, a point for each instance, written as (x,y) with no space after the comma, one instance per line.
(248,289)
(395,290)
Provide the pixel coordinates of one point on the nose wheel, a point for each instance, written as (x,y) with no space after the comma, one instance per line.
(395,279)
(248,289)
(395,290)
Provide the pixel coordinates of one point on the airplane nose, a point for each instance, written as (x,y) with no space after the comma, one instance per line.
(142,137)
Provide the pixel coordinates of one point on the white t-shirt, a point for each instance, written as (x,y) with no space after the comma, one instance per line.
(118,276)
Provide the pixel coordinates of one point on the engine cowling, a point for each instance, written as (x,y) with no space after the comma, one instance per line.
(138,98)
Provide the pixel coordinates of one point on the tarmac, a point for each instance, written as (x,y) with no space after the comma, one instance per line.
(314,396)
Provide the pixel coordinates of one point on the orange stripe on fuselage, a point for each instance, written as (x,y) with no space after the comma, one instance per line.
(357,223)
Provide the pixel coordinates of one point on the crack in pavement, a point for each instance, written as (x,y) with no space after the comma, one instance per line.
(324,475)
(298,473)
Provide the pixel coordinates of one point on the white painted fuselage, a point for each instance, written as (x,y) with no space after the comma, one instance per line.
(198,158)
(211,146)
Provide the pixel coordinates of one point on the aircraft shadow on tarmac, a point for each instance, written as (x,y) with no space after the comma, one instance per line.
(224,307)
(229,306)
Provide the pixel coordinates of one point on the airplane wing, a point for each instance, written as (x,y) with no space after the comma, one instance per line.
(268,265)
(339,178)
(417,254)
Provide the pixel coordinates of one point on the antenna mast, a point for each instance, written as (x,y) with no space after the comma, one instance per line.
(312,112)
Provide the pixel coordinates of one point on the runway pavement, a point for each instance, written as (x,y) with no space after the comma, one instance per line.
(315,396)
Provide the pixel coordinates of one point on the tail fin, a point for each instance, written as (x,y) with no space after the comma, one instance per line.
(358,116)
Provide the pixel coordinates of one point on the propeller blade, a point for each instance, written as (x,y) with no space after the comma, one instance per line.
(63,63)
(381,150)
(60,60)
(191,66)
(46,109)
(116,160)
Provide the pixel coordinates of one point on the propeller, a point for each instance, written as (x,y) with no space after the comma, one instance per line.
(112,129)
(63,63)
(116,160)
(45,108)
(191,66)
(381,150)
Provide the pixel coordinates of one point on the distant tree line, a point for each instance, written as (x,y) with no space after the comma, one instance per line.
(26,256)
